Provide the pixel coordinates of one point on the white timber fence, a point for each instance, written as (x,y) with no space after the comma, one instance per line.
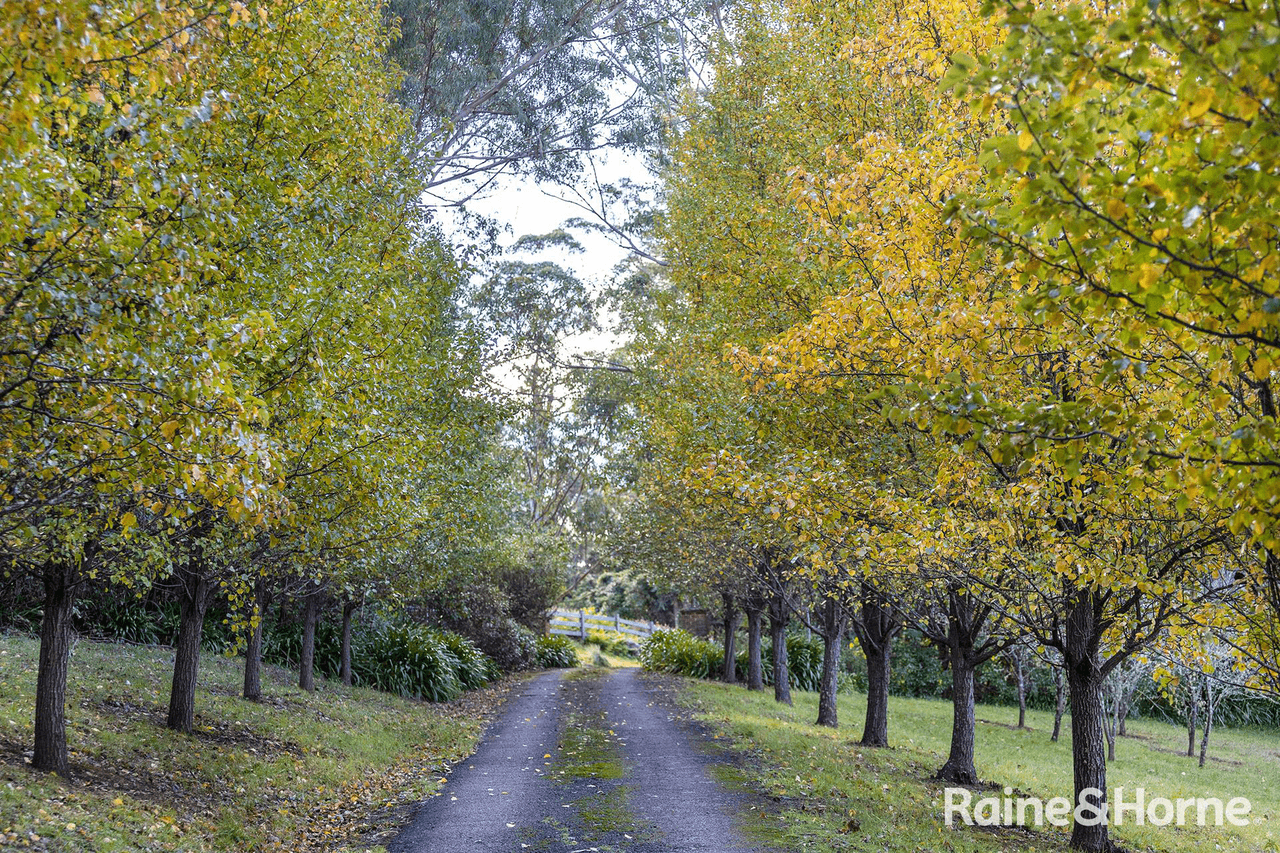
(579,623)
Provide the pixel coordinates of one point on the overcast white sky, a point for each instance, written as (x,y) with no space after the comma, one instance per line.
(521,206)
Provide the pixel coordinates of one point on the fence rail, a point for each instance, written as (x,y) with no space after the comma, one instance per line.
(578,623)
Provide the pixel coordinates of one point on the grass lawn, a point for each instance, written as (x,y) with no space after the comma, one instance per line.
(831,794)
(296,772)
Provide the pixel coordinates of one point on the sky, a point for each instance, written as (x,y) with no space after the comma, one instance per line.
(522,207)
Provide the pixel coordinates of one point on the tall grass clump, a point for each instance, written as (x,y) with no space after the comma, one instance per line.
(678,652)
(398,657)
(556,652)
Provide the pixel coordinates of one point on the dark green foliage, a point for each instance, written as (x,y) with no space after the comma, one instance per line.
(804,661)
(919,671)
(398,657)
(681,653)
(147,623)
(409,661)
(678,652)
(513,646)
(475,669)
(556,652)
(131,622)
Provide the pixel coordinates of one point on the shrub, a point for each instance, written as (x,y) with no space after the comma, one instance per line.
(513,646)
(129,622)
(556,652)
(679,652)
(475,669)
(408,660)
(804,662)
(398,657)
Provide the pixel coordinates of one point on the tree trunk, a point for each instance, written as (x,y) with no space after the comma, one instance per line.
(778,633)
(1059,703)
(51,676)
(755,667)
(1109,730)
(1208,726)
(196,591)
(1088,717)
(730,673)
(253,649)
(875,729)
(348,608)
(959,768)
(307,659)
(832,639)
(875,631)
(1020,677)
(1192,712)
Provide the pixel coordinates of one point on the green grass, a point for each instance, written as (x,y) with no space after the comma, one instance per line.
(828,793)
(295,772)
(587,656)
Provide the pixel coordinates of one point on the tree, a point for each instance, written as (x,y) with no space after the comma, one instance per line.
(1134,187)
(967,627)
(539,86)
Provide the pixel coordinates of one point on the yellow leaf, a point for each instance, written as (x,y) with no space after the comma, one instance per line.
(1201,104)
(1025,140)
(1116,208)
(1148,273)
(169,428)
(128,520)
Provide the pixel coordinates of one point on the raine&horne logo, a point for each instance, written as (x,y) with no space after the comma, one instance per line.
(1091,811)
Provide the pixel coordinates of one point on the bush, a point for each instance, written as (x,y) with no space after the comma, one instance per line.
(556,652)
(513,646)
(679,652)
(397,657)
(407,660)
(475,669)
(804,662)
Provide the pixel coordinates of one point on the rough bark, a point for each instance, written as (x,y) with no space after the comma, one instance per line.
(307,657)
(1088,717)
(755,667)
(875,629)
(253,649)
(959,768)
(196,592)
(832,639)
(778,616)
(729,674)
(875,728)
(1059,704)
(51,675)
(348,608)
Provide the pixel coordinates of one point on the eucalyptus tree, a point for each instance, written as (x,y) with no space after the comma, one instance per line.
(540,87)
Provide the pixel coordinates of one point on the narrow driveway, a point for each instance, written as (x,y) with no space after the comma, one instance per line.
(581,761)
